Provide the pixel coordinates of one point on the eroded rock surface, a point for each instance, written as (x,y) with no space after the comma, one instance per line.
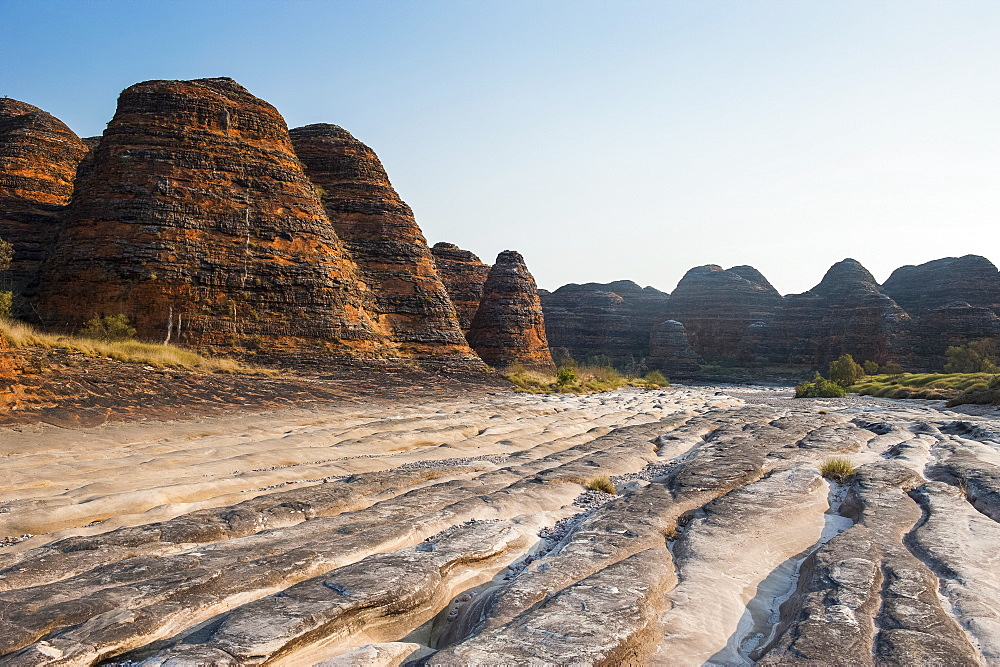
(379,230)
(919,289)
(38,161)
(509,327)
(193,217)
(459,532)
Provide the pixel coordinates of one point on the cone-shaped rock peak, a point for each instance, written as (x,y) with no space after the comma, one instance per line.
(509,327)
(194,218)
(39,156)
(412,304)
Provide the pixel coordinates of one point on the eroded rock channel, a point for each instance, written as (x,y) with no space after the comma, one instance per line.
(461,532)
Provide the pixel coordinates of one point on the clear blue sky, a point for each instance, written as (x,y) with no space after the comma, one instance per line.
(604,140)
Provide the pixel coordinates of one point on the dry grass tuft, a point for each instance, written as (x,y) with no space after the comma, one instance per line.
(156,355)
(838,469)
(602,483)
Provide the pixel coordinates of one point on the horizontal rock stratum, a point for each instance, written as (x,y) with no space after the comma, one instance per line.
(458,531)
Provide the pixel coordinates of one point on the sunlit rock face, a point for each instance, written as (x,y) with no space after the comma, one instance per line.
(716,307)
(38,162)
(509,327)
(379,229)
(194,218)
(610,321)
(846,313)
(463,275)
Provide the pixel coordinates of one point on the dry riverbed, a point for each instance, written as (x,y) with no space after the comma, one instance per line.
(459,531)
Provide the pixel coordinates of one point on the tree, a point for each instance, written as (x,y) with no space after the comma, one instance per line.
(979,356)
(871,368)
(845,371)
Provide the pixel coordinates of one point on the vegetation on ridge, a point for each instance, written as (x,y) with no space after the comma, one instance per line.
(572,379)
(156,355)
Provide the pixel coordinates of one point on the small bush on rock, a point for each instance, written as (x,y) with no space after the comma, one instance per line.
(839,470)
(820,387)
(108,328)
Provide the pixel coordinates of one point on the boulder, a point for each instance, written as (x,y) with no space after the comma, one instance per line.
(378,228)
(194,218)
(38,161)
(603,320)
(509,327)
(463,275)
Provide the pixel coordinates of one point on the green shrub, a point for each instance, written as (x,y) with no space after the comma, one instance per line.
(871,368)
(845,371)
(979,356)
(819,387)
(602,483)
(838,469)
(566,375)
(108,328)
(6,301)
(657,378)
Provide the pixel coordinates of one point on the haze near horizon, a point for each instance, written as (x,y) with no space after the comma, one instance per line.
(605,141)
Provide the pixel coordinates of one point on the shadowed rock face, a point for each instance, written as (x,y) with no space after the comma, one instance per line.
(954,324)
(847,313)
(463,275)
(378,227)
(919,289)
(38,161)
(611,319)
(509,327)
(194,218)
(716,307)
(670,351)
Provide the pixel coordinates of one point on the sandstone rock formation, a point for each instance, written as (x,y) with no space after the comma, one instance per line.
(378,228)
(611,320)
(38,161)
(972,279)
(195,219)
(9,372)
(463,275)
(671,352)
(846,313)
(716,307)
(509,327)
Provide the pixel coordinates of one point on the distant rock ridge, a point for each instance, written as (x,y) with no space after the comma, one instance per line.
(463,275)
(39,156)
(595,320)
(413,307)
(509,327)
(846,313)
(922,288)
(718,305)
(195,219)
